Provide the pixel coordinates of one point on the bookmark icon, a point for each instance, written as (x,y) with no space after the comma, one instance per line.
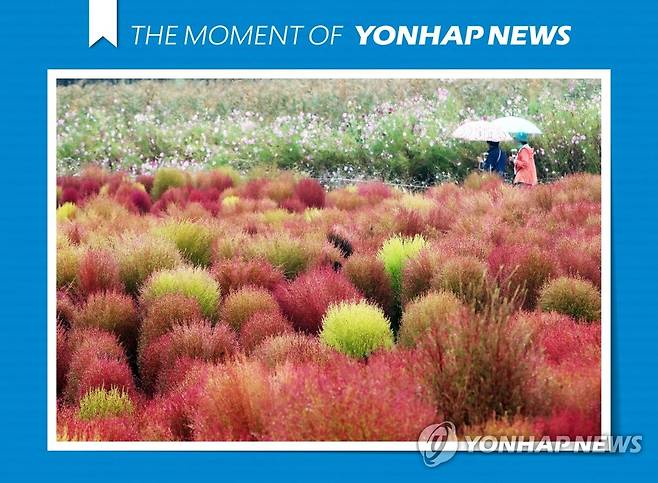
(103,21)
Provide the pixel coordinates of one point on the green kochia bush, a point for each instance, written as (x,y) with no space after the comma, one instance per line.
(356,329)
(102,403)
(241,304)
(434,309)
(395,252)
(572,296)
(66,211)
(289,255)
(194,240)
(465,277)
(166,178)
(188,281)
(68,262)
(140,256)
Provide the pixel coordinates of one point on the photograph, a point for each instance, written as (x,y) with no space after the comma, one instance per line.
(336,257)
(293,242)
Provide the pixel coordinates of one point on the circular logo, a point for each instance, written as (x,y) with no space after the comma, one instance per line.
(433,443)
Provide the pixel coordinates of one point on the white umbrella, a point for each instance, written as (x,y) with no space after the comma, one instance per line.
(480,131)
(513,124)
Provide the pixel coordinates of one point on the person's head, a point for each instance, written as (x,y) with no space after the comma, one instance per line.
(493,144)
(521,137)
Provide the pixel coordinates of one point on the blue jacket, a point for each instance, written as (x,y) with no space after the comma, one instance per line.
(496,160)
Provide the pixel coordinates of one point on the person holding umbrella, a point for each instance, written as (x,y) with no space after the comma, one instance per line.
(482,130)
(524,163)
(496,161)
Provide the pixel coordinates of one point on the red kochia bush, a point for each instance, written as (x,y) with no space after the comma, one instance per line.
(97,360)
(374,191)
(260,326)
(418,272)
(111,311)
(522,268)
(135,199)
(254,188)
(293,204)
(197,340)
(166,417)
(245,302)
(146,180)
(69,195)
(570,422)
(306,299)
(369,276)
(348,401)
(102,341)
(234,404)
(89,186)
(63,358)
(165,312)
(208,198)
(98,271)
(310,193)
(409,222)
(580,257)
(293,348)
(99,372)
(564,340)
(215,179)
(440,218)
(236,273)
(173,196)
(65,308)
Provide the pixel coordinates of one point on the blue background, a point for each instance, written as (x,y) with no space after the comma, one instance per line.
(36,35)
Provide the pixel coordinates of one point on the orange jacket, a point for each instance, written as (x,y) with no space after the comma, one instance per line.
(524,165)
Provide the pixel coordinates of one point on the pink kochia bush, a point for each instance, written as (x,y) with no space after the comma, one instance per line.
(199,306)
(306,299)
